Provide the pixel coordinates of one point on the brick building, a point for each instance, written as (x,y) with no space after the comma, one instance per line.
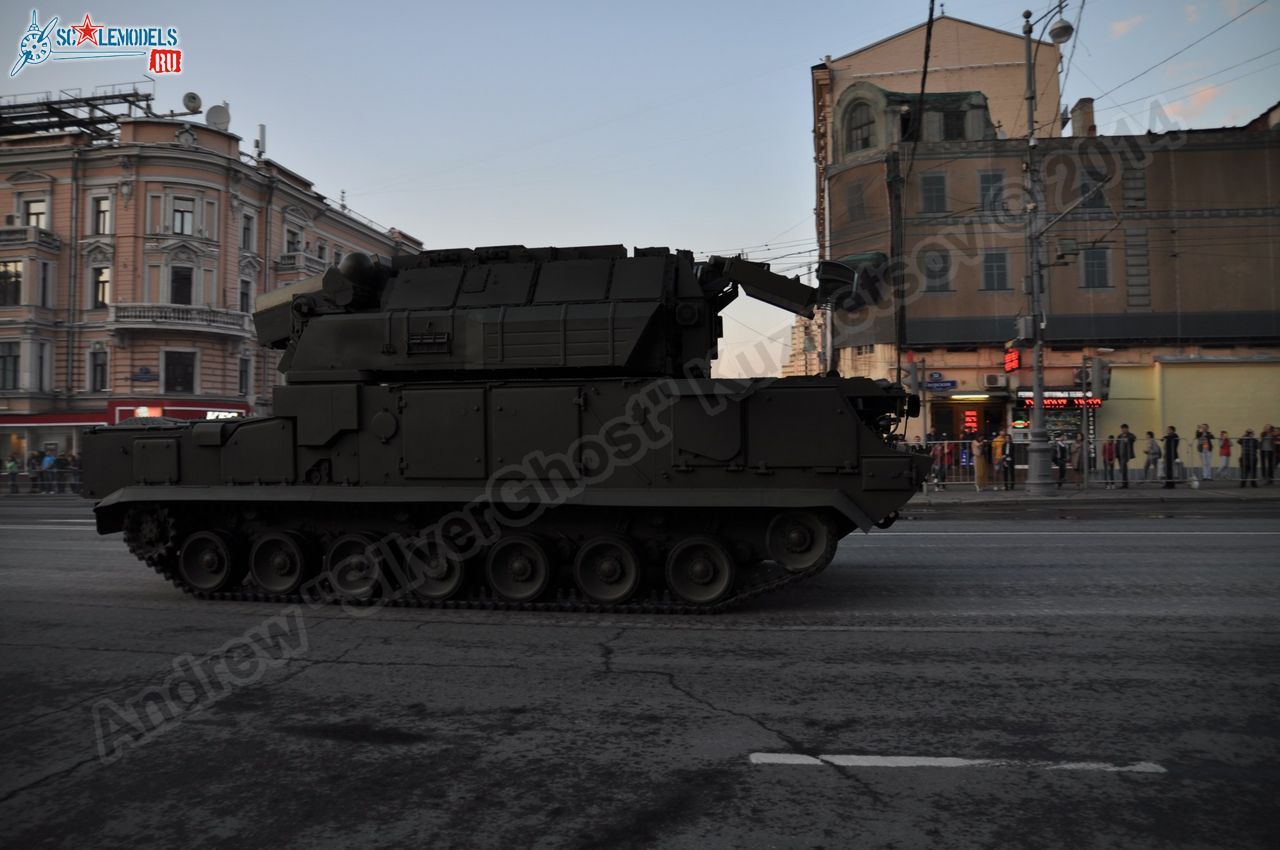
(1163,264)
(131,253)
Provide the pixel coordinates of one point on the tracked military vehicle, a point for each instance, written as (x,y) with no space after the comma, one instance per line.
(511,427)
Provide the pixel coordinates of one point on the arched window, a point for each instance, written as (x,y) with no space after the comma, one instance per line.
(858,125)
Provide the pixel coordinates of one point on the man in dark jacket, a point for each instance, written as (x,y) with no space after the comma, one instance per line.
(1125,441)
(1248,458)
(1171,440)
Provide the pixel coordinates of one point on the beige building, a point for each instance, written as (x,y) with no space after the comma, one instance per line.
(1164,262)
(131,253)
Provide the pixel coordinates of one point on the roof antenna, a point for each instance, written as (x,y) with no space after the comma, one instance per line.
(944,11)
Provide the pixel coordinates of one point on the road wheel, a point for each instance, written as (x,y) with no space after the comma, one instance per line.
(435,573)
(278,562)
(700,570)
(607,570)
(208,562)
(518,568)
(353,567)
(801,541)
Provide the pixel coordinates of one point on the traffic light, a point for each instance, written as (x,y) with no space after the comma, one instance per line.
(914,384)
(1099,377)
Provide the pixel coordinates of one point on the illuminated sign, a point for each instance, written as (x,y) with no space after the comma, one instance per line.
(1013,360)
(1020,423)
(1073,403)
(222,414)
(971,420)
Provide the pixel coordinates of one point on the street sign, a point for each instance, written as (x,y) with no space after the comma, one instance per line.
(936,386)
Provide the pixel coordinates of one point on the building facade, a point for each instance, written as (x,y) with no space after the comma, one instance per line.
(129,267)
(1161,259)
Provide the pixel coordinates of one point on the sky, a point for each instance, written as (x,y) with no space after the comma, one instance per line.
(686,124)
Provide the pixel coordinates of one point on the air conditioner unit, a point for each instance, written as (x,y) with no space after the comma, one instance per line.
(995,380)
(10,220)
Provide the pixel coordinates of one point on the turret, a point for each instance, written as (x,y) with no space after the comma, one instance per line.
(511,310)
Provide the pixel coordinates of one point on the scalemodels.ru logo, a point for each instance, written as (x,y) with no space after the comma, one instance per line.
(97,41)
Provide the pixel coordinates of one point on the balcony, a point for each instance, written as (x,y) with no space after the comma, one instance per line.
(178,317)
(29,237)
(297,261)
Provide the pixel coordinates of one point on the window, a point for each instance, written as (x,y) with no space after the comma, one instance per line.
(184,216)
(321,250)
(10,283)
(864,350)
(246,295)
(910,127)
(995,271)
(936,266)
(180,285)
(101,216)
(953,126)
(292,241)
(991,190)
(42,360)
(337,256)
(46,284)
(97,371)
(179,371)
(246,234)
(853,201)
(9,361)
(1097,200)
(933,191)
(858,125)
(101,287)
(244,376)
(1096,268)
(35,213)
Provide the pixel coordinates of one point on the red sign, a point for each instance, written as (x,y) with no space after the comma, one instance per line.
(1013,360)
(971,420)
(1064,403)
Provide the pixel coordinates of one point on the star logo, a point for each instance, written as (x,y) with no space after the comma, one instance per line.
(87,31)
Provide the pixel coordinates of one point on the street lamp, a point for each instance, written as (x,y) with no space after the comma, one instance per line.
(1039,482)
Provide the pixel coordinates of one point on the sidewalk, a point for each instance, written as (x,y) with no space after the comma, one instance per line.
(1208,491)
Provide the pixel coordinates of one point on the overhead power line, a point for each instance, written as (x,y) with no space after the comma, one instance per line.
(1185,49)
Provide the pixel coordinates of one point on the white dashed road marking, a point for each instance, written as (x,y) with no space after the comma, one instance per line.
(919,761)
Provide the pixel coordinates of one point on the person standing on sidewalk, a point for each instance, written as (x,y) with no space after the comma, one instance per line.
(1267,454)
(1061,455)
(1124,453)
(1171,440)
(33,472)
(1204,445)
(1109,461)
(1152,467)
(1078,460)
(1000,460)
(11,467)
(1224,452)
(1248,458)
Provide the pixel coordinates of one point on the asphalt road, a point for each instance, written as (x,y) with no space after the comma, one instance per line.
(1079,677)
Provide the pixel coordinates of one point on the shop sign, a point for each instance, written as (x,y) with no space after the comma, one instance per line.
(1013,360)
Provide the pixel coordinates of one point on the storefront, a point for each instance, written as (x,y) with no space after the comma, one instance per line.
(981,413)
(1066,411)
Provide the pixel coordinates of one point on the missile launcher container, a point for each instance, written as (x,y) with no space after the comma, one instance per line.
(516,428)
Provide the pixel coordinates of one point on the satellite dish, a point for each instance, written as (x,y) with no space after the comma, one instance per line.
(218,117)
(191,102)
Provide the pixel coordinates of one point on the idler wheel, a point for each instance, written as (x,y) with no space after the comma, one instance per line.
(518,568)
(800,541)
(278,562)
(435,572)
(700,570)
(207,563)
(353,567)
(607,569)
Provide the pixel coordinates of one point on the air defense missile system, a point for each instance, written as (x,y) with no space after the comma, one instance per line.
(511,427)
